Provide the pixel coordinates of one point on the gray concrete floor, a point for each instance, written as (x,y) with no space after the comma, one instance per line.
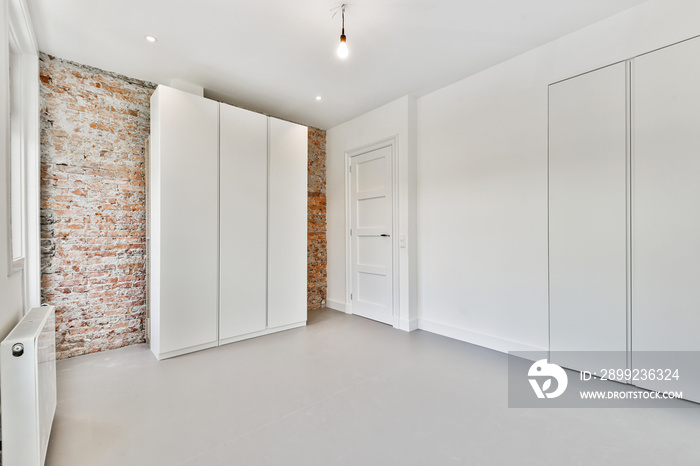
(342,391)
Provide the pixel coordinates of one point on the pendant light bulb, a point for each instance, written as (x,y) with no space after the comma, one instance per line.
(343,46)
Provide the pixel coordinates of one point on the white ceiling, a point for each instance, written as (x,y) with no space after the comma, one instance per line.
(276,56)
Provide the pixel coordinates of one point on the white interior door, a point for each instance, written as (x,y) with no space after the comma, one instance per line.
(371,234)
(587,220)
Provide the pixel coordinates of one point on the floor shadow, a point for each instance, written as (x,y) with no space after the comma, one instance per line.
(317,316)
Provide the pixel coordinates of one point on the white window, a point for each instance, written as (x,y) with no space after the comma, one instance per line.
(21,104)
(17,163)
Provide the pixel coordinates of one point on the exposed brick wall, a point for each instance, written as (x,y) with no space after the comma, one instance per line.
(94,126)
(317,284)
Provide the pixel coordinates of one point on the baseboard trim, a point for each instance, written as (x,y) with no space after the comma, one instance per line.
(408,325)
(476,338)
(338,306)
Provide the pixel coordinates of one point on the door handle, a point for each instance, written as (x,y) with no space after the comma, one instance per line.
(385,235)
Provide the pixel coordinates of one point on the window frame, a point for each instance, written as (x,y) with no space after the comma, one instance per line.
(20,35)
(16,160)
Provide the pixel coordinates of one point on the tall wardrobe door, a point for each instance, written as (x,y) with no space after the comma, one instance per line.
(287,223)
(184,222)
(587,226)
(666,214)
(243,222)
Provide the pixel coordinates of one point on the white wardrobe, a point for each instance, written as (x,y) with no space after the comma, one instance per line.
(227,224)
(624,217)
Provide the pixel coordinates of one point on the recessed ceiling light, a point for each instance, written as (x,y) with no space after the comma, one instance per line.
(318,97)
(151,38)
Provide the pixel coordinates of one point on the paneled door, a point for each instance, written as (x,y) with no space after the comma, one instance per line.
(371,234)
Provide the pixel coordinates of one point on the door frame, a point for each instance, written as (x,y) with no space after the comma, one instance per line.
(393,143)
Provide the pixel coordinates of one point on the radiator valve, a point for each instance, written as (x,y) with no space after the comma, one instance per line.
(17,350)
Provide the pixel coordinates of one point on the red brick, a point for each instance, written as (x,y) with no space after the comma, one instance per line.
(316,242)
(93,139)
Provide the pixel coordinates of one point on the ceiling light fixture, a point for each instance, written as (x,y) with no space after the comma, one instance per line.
(150,38)
(318,97)
(343,46)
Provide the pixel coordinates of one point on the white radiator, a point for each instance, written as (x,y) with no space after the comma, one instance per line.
(28,388)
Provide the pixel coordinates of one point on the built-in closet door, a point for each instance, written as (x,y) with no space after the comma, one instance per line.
(666,214)
(184,218)
(587,219)
(243,222)
(287,223)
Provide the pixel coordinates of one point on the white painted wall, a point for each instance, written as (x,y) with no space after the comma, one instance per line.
(12,286)
(396,119)
(482,179)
